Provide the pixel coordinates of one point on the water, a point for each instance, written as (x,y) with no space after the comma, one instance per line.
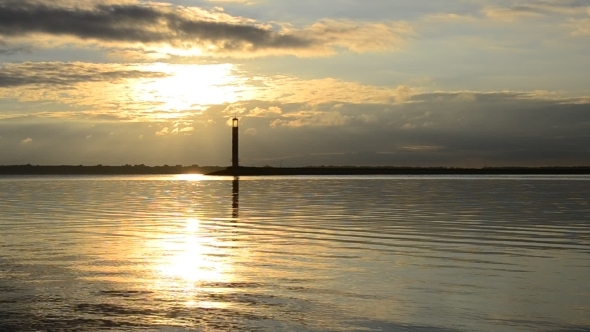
(187,253)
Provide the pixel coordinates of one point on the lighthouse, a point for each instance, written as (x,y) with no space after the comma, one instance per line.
(234,146)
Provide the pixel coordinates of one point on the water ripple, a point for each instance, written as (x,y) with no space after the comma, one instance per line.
(301,253)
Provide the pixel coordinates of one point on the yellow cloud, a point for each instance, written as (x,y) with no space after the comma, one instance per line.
(508,14)
(261,112)
(186,129)
(358,36)
(162,132)
(244,2)
(158,92)
(312,118)
(579,27)
(450,18)
(293,90)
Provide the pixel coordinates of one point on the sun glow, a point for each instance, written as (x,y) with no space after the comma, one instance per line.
(191,262)
(190,257)
(189,89)
(190,177)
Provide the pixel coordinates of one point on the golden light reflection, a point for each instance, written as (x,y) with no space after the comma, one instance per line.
(192,259)
(190,177)
(189,88)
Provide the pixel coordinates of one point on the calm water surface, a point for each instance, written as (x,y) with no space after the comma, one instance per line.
(186,253)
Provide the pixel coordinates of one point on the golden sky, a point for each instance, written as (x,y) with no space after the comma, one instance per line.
(380,82)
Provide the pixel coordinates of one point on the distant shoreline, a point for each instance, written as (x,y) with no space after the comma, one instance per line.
(273,171)
(106,170)
(285,171)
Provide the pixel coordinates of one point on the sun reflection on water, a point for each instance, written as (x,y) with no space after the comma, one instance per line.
(190,177)
(191,260)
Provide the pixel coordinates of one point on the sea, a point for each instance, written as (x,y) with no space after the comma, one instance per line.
(301,253)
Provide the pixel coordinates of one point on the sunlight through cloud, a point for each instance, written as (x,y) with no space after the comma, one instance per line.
(189,88)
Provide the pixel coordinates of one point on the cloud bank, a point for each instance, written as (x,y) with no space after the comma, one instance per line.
(154,25)
(68,73)
(428,129)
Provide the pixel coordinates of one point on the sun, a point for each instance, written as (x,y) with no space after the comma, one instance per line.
(188,89)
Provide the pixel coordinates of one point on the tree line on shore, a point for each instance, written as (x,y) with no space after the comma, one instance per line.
(269,170)
(106,169)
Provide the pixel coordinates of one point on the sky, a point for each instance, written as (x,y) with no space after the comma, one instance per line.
(455,83)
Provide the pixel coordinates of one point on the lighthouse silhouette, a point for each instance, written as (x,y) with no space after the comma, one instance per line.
(235,161)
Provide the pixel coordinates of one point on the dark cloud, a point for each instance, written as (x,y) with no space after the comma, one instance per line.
(539,8)
(6,49)
(15,50)
(150,25)
(138,23)
(449,129)
(546,7)
(62,73)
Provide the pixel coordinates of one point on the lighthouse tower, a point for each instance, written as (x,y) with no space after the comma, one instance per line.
(234,145)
